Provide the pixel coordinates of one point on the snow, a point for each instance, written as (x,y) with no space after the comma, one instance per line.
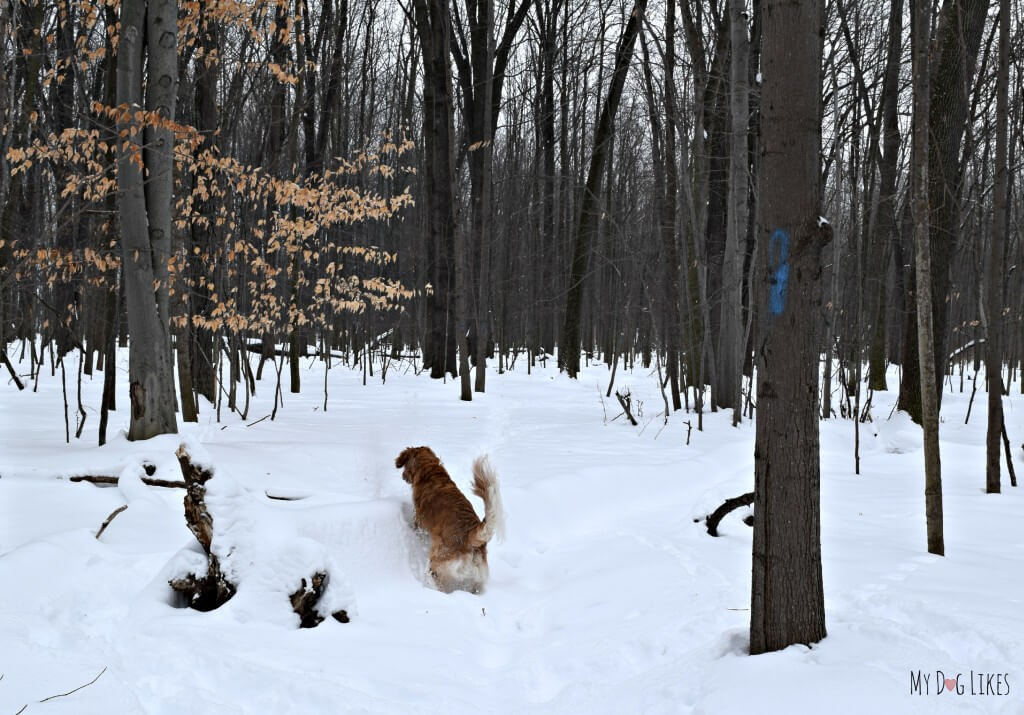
(605,596)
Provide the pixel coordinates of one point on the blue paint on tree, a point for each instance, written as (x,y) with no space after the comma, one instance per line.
(778,257)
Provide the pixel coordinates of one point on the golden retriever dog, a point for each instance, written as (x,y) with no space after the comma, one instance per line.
(458,538)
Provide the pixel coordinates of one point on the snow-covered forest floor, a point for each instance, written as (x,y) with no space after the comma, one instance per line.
(605,597)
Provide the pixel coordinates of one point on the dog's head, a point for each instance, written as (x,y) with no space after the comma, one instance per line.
(411,458)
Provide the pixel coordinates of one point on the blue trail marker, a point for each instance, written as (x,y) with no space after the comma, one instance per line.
(778,256)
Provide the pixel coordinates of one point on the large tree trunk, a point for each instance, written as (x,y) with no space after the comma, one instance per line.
(787,599)
(145,227)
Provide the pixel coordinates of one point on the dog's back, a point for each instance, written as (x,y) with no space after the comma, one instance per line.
(458,548)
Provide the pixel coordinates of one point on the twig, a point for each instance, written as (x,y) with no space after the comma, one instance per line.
(258,421)
(110,518)
(61,695)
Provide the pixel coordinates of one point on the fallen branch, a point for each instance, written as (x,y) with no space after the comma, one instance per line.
(1009,457)
(61,695)
(109,519)
(10,368)
(102,479)
(624,400)
(713,519)
(279,497)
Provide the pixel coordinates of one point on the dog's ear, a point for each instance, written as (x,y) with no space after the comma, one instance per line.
(407,454)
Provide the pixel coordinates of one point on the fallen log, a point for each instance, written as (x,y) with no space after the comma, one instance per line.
(103,479)
(208,591)
(713,519)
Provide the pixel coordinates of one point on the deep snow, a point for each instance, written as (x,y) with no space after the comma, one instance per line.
(605,597)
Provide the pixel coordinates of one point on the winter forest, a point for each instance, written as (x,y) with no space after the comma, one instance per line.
(728,292)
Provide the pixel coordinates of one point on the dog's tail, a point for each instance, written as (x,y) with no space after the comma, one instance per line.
(485,486)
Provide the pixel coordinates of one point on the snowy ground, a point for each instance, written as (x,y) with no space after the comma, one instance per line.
(605,597)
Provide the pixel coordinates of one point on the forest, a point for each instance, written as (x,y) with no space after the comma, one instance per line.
(778,225)
(375,179)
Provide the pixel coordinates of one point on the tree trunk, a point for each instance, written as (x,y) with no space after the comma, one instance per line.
(885,232)
(669,234)
(787,598)
(586,226)
(433,26)
(996,261)
(957,41)
(143,232)
(730,337)
(204,349)
(925,343)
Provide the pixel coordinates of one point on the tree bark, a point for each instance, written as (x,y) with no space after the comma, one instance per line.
(143,234)
(787,597)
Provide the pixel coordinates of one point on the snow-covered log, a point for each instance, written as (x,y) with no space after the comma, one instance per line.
(249,550)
